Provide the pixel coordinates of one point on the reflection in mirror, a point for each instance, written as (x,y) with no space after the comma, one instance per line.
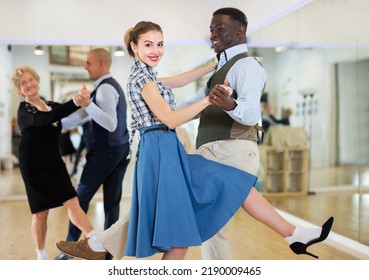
(362,134)
(333,118)
(62,84)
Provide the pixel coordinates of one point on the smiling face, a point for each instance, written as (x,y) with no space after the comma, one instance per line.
(226,33)
(28,85)
(149,48)
(93,66)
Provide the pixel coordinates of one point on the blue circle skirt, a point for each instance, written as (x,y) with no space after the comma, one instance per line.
(179,200)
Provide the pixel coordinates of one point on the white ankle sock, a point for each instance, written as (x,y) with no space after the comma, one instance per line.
(95,244)
(41,254)
(303,235)
(91,233)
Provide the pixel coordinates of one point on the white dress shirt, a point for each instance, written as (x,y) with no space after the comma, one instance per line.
(247,77)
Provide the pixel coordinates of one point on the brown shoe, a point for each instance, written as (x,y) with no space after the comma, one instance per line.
(80,250)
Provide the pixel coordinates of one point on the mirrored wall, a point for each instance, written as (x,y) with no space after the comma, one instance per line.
(319,67)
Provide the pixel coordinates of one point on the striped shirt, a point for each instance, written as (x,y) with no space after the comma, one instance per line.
(140,75)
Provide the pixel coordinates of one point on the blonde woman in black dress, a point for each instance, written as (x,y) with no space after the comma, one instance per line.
(43,171)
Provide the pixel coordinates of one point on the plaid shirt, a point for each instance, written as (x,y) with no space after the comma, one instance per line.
(140,75)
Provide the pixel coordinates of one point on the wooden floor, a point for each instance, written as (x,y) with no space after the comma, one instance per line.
(250,240)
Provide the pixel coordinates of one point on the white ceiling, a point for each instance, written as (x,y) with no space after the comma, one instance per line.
(103,22)
(322,23)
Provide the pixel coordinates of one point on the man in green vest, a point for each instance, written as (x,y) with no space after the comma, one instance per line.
(227,131)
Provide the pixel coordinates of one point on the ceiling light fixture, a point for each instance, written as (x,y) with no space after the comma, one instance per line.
(38,50)
(119,51)
(256,54)
(280,49)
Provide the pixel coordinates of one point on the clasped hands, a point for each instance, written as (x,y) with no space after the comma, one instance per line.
(82,99)
(220,96)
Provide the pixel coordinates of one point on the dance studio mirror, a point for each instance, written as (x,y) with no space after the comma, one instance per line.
(321,73)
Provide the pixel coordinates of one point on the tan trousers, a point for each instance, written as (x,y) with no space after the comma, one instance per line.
(242,154)
(114,238)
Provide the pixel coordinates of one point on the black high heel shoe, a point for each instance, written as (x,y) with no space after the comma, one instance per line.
(301,248)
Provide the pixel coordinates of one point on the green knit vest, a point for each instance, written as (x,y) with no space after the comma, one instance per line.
(215,124)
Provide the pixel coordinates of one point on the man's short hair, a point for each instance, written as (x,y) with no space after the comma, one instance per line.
(234,13)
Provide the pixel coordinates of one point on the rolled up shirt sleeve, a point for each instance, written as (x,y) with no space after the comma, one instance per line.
(247,77)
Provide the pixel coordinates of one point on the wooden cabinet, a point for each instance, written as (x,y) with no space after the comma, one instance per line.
(285,170)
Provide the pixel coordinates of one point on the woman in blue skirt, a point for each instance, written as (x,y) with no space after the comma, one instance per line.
(181,200)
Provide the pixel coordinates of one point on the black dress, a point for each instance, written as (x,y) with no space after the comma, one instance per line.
(66,144)
(43,171)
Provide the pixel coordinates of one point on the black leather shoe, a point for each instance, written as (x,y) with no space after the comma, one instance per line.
(63,257)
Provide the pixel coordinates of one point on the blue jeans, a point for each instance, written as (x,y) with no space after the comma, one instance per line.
(104,168)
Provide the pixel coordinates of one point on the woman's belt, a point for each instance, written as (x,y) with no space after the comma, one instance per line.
(159,127)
